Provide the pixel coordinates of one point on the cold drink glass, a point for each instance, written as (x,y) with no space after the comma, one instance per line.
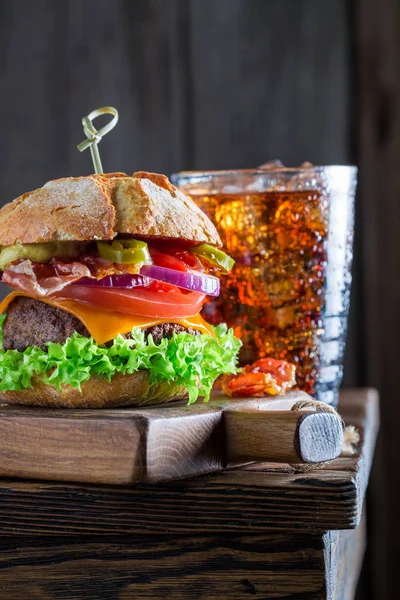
(290,232)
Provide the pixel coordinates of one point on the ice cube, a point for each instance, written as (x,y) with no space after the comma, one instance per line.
(271,165)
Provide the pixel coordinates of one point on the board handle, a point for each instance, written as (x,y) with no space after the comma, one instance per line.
(285,436)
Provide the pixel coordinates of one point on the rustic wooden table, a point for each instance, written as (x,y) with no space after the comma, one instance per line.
(256,530)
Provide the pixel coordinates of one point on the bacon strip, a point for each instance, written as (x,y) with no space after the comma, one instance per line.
(43,280)
(101,267)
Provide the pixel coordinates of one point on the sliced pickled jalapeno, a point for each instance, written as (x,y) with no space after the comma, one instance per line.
(214,256)
(126,252)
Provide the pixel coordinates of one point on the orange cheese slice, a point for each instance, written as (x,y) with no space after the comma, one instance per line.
(104,325)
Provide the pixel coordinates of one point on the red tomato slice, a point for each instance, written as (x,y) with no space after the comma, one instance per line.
(191,260)
(166,260)
(138,301)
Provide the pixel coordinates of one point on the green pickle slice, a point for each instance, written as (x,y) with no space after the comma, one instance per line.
(214,256)
(126,252)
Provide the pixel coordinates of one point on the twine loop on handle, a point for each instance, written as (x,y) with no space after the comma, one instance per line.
(93,136)
(318,407)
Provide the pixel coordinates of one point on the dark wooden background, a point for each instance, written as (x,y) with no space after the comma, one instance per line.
(231,83)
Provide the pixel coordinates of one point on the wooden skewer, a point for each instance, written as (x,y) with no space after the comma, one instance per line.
(282,436)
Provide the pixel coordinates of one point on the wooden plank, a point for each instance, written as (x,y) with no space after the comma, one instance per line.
(352,545)
(344,553)
(198,567)
(272,565)
(133,445)
(133,57)
(378,64)
(117,448)
(256,498)
(270,80)
(368,432)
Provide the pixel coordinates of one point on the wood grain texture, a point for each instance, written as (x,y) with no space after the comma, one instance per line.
(136,445)
(343,553)
(282,436)
(195,567)
(378,58)
(256,498)
(270,80)
(275,565)
(320,437)
(350,555)
(132,57)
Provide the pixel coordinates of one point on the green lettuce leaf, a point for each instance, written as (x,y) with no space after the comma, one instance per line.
(192,361)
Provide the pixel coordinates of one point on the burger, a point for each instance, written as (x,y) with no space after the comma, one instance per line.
(109,274)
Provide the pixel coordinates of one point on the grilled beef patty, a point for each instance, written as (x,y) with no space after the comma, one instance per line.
(31,322)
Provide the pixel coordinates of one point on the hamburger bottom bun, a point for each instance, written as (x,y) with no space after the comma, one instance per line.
(97,392)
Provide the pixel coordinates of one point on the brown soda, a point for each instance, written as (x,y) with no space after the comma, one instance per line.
(274,297)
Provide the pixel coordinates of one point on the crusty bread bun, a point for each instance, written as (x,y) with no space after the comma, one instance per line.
(99,207)
(97,392)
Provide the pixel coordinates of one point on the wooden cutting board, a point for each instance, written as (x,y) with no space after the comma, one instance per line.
(136,445)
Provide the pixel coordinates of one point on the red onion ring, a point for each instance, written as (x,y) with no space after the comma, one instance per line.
(126,281)
(196,282)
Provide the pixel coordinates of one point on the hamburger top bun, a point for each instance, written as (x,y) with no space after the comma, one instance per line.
(100,207)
